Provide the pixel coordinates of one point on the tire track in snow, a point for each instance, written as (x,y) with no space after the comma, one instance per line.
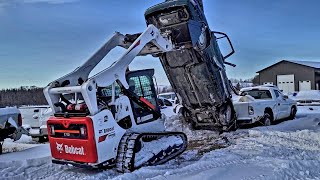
(193,169)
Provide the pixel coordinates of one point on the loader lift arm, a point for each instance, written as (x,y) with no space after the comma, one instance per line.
(78,81)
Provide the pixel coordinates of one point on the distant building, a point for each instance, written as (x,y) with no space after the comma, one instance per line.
(292,76)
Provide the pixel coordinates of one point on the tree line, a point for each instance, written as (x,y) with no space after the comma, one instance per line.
(32,95)
(22,96)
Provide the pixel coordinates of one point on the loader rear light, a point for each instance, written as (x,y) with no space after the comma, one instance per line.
(52,131)
(250,110)
(19,120)
(83,131)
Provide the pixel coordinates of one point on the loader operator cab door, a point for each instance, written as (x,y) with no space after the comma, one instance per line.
(141,84)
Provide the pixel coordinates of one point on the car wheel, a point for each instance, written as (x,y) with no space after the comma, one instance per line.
(227,118)
(266,120)
(226,115)
(42,139)
(293,112)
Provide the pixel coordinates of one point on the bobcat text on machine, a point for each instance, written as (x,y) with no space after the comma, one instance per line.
(113,119)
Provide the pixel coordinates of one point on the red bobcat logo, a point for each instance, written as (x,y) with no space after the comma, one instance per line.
(59,147)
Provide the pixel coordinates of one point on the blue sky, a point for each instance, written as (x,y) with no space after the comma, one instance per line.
(41,40)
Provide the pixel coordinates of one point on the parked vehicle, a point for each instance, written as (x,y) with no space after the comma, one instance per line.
(307,98)
(171,96)
(164,103)
(264,104)
(10,125)
(36,117)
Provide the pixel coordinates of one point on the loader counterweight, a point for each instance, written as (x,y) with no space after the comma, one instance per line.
(68,141)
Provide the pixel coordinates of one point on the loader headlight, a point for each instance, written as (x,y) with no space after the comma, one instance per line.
(250,110)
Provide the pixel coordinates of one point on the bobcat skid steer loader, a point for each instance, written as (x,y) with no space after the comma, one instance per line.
(112,119)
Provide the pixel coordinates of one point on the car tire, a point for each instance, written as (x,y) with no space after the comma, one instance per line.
(267,121)
(229,123)
(42,139)
(293,112)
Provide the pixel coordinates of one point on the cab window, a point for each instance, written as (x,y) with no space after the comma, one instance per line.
(258,94)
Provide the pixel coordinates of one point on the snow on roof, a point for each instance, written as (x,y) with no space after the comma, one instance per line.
(262,87)
(313,64)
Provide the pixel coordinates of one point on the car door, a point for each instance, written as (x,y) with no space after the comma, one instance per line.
(286,105)
(277,111)
(283,105)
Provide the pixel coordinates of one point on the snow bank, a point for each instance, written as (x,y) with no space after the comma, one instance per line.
(289,150)
(256,155)
(177,123)
(25,142)
(306,95)
(154,147)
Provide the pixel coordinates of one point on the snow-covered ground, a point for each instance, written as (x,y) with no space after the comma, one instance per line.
(288,150)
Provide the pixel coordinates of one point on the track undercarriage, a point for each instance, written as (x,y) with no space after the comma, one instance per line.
(147,149)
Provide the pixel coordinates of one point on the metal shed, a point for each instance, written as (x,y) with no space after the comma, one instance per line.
(292,76)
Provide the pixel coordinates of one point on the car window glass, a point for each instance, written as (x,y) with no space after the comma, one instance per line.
(160,102)
(258,94)
(280,93)
(276,93)
(165,96)
(167,103)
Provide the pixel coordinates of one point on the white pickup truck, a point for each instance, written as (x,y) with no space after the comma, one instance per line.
(35,118)
(265,104)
